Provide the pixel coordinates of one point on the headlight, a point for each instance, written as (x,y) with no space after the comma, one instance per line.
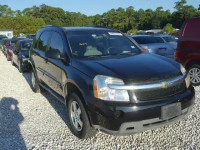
(187,81)
(182,69)
(102,90)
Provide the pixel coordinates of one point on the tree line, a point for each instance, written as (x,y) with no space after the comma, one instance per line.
(129,20)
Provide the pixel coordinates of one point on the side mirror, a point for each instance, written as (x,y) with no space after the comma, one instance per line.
(54,54)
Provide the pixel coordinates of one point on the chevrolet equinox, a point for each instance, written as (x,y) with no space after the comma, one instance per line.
(107,82)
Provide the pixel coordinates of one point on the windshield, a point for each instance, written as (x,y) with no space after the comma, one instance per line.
(4,41)
(148,39)
(25,45)
(100,43)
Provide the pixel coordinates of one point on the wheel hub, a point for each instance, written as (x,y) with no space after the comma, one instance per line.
(76,116)
(194,74)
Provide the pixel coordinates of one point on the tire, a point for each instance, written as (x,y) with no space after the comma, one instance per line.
(12,62)
(194,74)
(86,131)
(20,67)
(34,83)
(8,58)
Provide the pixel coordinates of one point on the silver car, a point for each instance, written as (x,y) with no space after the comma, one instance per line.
(155,44)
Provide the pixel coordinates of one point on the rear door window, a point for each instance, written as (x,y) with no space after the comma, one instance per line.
(44,40)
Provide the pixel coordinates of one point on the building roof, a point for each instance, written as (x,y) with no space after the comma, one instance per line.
(6,30)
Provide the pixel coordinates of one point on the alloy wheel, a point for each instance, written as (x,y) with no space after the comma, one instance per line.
(194,75)
(76,116)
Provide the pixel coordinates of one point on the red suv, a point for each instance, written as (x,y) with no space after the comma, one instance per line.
(188,49)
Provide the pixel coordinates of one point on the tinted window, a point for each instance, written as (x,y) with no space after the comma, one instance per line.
(170,39)
(147,39)
(100,43)
(17,46)
(56,42)
(43,40)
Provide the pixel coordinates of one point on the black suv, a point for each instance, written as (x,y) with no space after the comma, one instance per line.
(21,54)
(106,82)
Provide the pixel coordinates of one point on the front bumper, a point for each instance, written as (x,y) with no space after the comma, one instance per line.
(123,119)
(25,64)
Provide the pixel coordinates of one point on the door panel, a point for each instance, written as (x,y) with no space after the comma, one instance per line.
(39,54)
(53,67)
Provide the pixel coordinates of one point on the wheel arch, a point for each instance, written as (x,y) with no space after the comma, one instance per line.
(191,63)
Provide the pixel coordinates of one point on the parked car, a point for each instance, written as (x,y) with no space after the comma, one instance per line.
(187,52)
(31,36)
(155,45)
(107,82)
(21,54)
(5,44)
(1,38)
(169,38)
(10,46)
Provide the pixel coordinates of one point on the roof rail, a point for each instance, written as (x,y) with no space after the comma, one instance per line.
(50,26)
(99,26)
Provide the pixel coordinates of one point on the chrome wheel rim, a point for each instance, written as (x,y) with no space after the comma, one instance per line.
(76,116)
(33,79)
(194,75)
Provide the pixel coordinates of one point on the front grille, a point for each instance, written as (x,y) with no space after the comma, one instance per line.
(160,93)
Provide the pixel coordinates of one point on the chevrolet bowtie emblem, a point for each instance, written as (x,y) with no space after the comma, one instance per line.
(165,85)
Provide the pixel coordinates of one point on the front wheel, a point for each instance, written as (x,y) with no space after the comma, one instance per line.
(194,74)
(20,66)
(79,122)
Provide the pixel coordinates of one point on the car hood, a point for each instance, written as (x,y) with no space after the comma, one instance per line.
(143,67)
(24,53)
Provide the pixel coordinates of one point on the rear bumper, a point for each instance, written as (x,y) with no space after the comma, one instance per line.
(132,118)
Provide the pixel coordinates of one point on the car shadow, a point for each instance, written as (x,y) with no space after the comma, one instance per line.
(26,75)
(60,108)
(10,118)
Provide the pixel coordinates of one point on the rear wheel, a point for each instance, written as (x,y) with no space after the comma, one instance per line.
(194,74)
(34,83)
(12,61)
(8,57)
(20,66)
(79,122)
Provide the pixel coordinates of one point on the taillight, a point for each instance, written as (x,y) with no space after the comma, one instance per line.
(177,55)
(145,49)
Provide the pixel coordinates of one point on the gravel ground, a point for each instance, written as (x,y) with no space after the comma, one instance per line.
(37,121)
